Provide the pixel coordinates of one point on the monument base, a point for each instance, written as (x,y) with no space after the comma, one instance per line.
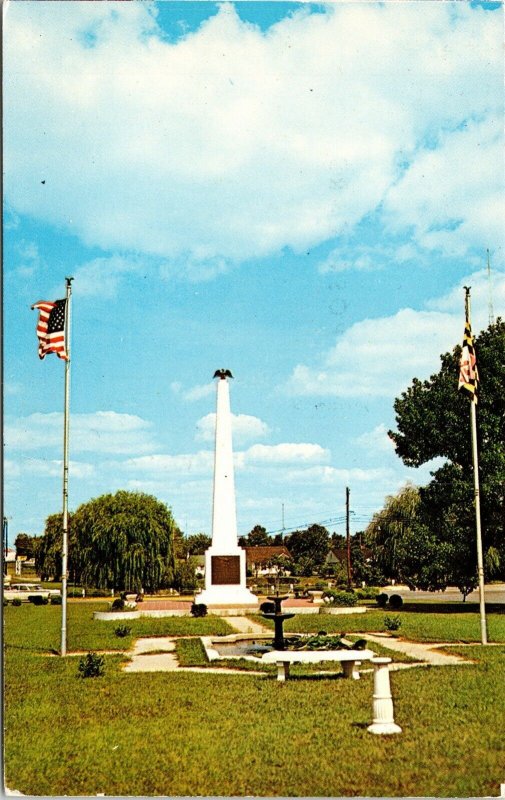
(227,596)
(225,579)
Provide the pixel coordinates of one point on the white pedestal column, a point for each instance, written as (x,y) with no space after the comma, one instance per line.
(383,713)
(225,561)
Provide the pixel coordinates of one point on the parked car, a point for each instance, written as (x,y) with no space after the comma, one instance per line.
(23,591)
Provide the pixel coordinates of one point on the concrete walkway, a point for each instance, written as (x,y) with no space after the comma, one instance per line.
(424,652)
(146,657)
(245,625)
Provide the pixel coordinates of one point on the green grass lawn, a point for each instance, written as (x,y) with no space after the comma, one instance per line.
(37,628)
(433,622)
(233,735)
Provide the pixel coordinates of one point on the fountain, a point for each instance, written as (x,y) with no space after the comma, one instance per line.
(278,616)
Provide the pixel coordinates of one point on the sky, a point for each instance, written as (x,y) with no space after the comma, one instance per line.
(295,192)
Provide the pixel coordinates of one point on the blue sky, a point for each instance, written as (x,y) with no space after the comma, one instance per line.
(295,192)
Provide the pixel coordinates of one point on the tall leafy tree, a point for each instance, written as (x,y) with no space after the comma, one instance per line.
(197,544)
(309,548)
(257,537)
(26,545)
(433,421)
(125,541)
(121,541)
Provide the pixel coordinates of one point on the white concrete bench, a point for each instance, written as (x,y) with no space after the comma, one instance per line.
(348,658)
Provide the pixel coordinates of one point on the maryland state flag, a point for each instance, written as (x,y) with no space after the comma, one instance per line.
(51,327)
(468,373)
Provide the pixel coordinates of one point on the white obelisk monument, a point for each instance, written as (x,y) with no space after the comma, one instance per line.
(225,561)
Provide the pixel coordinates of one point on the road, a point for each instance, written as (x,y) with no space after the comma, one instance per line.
(494,593)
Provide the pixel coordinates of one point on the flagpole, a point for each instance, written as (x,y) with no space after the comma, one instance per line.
(66,419)
(475,455)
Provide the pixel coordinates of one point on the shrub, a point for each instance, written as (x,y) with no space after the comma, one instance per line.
(382,599)
(198,610)
(56,600)
(96,593)
(117,604)
(338,598)
(368,593)
(392,622)
(267,607)
(396,601)
(5,602)
(91,666)
(16,601)
(38,600)
(122,631)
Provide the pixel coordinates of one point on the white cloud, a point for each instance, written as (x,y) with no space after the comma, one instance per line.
(451,197)
(376,441)
(101,276)
(100,432)
(285,453)
(183,464)
(379,357)
(244,428)
(198,392)
(52,468)
(200,159)
(486,292)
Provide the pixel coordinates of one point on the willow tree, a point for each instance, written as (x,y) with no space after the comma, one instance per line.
(124,541)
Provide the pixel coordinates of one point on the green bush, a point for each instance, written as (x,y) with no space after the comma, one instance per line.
(198,610)
(122,631)
(117,604)
(91,666)
(337,598)
(16,601)
(56,600)
(396,601)
(367,593)
(392,622)
(382,599)
(38,600)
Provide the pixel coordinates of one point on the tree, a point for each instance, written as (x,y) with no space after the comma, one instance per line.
(122,541)
(197,544)
(257,537)
(433,421)
(309,548)
(26,545)
(404,548)
(48,555)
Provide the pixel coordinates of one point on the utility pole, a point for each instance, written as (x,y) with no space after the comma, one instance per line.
(348,537)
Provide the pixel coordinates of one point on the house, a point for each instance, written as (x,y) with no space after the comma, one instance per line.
(259,558)
(338,555)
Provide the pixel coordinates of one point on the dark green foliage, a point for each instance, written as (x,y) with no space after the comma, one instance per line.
(367,593)
(16,601)
(122,631)
(26,545)
(382,599)
(198,610)
(56,600)
(120,541)
(337,598)
(195,545)
(38,600)
(257,537)
(324,642)
(308,548)
(91,666)
(433,421)
(396,601)
(117,604)
(185,577)
(392,622)
(5,602)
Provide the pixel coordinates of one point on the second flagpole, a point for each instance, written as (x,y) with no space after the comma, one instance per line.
(475,456)
(66,426)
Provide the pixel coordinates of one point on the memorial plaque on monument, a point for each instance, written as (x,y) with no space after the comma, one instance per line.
(225,569)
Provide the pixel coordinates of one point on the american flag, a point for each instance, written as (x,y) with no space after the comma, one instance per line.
(51,327)
(468,373)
